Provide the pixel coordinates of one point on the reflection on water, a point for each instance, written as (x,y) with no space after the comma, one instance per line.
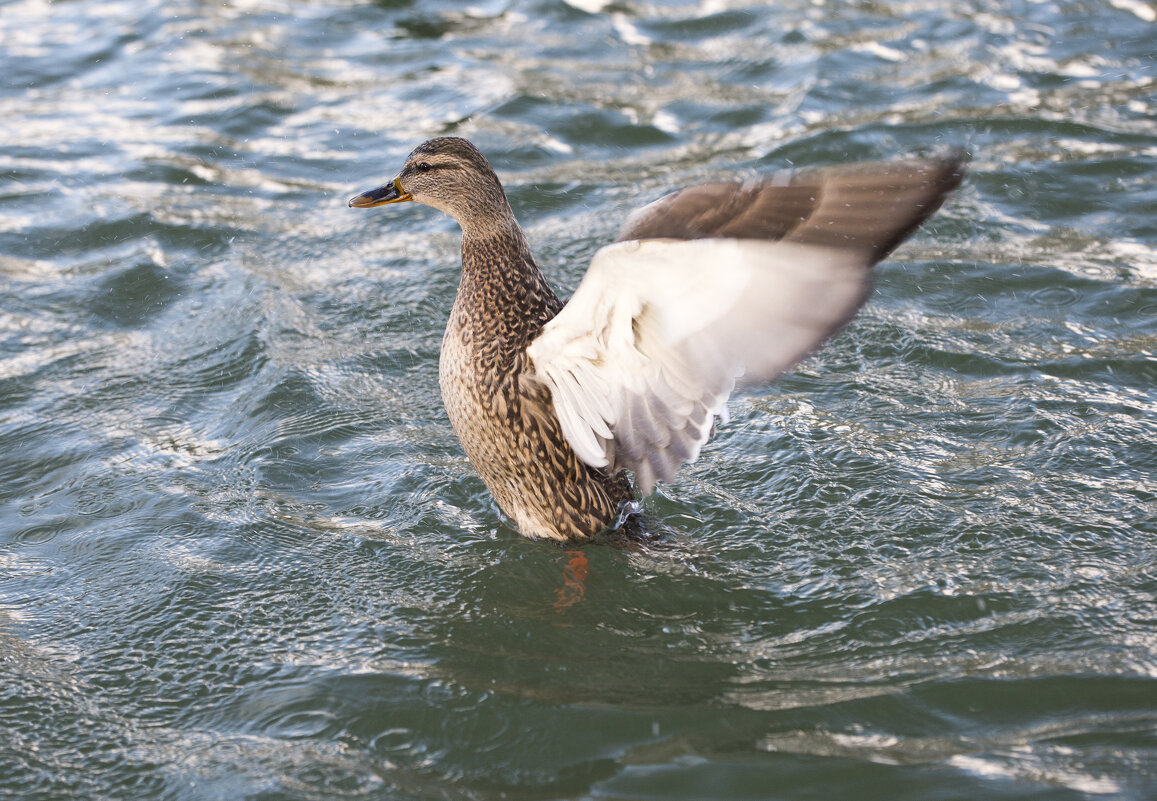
(241,554)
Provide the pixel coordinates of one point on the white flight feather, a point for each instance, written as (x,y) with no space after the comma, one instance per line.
(644,356)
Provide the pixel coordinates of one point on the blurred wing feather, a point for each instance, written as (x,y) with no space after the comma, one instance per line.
(643,357)
(714,283)
(872,206)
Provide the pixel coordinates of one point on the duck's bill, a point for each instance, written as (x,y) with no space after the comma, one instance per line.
(390,193)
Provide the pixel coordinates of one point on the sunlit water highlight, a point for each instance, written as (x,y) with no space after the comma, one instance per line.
(242,556)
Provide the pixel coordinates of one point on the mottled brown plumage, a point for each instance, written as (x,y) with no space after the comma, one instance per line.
(506,385)
(503,417)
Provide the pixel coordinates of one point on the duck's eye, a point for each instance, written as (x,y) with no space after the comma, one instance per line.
(423,166)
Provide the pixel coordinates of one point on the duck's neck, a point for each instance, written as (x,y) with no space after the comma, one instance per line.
(501,280)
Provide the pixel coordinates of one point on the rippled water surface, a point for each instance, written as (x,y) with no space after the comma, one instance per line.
(243,557)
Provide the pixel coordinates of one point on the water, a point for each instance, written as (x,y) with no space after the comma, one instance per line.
(242,556)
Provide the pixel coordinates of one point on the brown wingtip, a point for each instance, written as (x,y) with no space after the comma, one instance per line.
(877,206)
(868,206)
(953,167)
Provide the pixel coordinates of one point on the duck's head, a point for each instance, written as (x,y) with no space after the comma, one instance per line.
(451,175)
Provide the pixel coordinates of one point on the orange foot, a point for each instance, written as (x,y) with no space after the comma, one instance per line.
(574,578)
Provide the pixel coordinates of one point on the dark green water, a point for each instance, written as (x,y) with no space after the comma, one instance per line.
(241,553)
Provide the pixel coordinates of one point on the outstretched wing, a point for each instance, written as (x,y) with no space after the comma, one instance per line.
(872,206)
(712,284)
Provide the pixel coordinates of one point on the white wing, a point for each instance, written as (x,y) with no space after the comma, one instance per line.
(646,353)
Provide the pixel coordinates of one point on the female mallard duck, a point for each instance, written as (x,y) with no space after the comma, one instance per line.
(553,402)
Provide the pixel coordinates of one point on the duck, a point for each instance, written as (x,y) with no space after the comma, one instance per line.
(714,286)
